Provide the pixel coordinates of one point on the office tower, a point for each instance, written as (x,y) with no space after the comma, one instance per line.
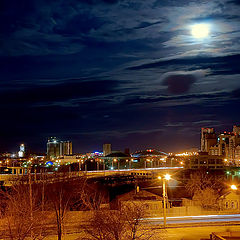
(107,149)
(21,152)
(236,130)
(228,145)
(53,148)
(224,140)
(65,148)
(208,139)
(237,155)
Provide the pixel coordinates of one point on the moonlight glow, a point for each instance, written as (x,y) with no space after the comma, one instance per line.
(200,30)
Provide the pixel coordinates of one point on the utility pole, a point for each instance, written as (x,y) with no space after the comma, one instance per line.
(164,204)
(43,190)
(35,175)
(97,165)
(30,197)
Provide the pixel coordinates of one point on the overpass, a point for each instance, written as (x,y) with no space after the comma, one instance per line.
(143,173)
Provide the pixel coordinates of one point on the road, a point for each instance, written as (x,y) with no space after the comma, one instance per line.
(195,219)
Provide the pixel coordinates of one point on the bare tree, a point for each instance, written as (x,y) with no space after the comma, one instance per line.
(134,213)
(201,180)
(207,198)
(59,195)
(205,189)
(107,225)
(62,195)
(120,224)
(21,220)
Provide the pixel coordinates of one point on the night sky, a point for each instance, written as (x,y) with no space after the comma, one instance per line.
(125,72)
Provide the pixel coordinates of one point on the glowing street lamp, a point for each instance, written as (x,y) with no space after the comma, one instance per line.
(233,187)
(79,166)
(166,177)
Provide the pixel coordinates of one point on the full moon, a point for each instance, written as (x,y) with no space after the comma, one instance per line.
(200,30)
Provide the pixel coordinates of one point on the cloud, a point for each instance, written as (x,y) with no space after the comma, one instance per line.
(236,93)
(176,100)
(92,2)
(179,84)
(227,62)
(71,89)
(59,59)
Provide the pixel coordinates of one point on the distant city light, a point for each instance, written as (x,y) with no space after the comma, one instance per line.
(186,154)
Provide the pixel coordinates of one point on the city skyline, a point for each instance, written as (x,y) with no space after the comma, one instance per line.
(207,143)
(137,74)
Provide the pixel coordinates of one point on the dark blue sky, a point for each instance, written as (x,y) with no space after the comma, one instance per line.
(126,72)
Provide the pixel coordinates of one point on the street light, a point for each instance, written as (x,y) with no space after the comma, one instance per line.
(233,187)
(166,177)
(79,166)
(98,164)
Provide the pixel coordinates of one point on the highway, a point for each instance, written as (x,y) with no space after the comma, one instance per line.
(195,219)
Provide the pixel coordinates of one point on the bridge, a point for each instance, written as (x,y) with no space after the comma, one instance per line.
(143,173)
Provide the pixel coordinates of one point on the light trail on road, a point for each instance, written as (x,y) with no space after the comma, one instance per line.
(195,219)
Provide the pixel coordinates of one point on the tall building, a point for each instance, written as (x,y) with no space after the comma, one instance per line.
(208,139)
(236,130)
(65,148)
(237,155)
(107,149)
(57,148)
(53,148)
(21,152)
(228,145)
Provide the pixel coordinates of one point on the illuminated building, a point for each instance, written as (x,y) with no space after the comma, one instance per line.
(208,139)
(236,130)
(56,148)
(53,148)
(228,145)
(65,148)
(107,149)
(116,160)
(21,152)
(203,160)
(237,155)
(67,160)
(150,158)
